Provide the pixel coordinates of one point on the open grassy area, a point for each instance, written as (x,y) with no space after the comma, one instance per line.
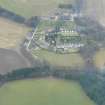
(99,59)
(30,8)
(72,60)
(11,33)
(43,92)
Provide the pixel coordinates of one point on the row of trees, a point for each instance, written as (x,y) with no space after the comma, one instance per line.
(42,71)
(32,22)
(12,16)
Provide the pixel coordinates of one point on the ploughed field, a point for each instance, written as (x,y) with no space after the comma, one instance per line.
(47,91)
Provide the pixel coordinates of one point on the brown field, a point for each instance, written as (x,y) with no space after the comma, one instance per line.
(99,59)
(11,33)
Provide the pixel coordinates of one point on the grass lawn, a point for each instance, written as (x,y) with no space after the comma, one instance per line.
(43,92)
(11,33)
(63,60)
(30,8)
(99,59)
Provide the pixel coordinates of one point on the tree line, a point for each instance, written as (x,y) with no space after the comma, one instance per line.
(40,71)
(93,83)
(31,22)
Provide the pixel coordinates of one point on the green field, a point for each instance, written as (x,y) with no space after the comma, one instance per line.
(30,8)
(73,60)
(43,92)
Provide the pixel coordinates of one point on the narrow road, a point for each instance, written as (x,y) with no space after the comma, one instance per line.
(31,39)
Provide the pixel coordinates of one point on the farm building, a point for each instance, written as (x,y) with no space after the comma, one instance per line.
(59,32)
(64,39)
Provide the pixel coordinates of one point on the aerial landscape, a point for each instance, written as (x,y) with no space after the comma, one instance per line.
(52,52)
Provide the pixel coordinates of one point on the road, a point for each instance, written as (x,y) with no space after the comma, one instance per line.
(31,39)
